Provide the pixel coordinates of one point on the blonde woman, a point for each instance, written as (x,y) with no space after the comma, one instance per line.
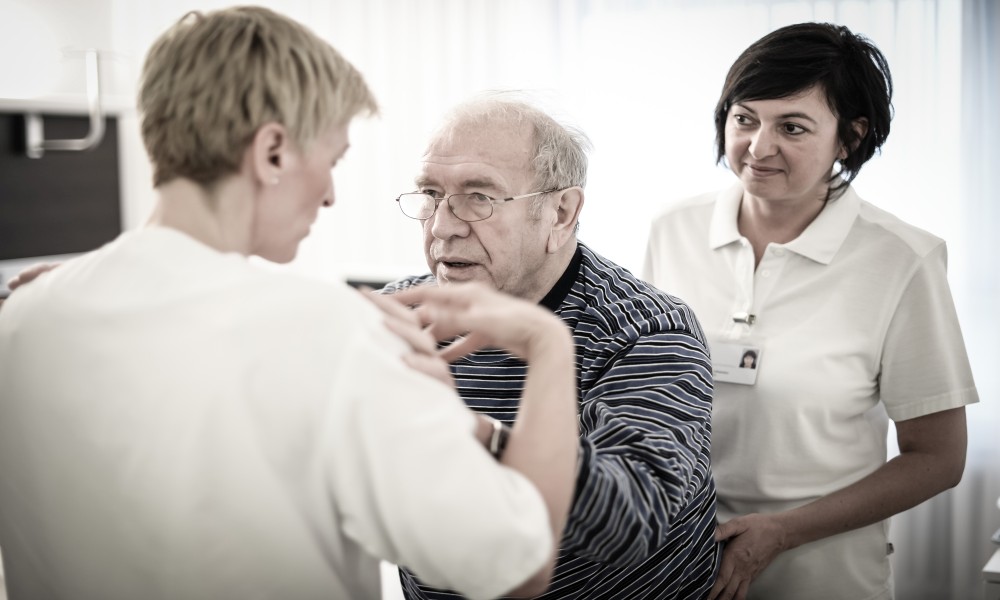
(179,423)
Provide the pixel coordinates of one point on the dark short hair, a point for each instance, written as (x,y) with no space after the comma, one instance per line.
(852,71)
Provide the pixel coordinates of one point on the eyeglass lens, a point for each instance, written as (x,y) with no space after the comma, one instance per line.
(467,207)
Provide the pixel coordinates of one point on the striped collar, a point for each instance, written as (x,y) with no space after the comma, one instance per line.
(558,293)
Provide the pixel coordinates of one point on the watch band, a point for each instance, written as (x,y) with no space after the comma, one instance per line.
(498,438)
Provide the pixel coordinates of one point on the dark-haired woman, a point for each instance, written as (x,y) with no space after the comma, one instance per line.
(851,308)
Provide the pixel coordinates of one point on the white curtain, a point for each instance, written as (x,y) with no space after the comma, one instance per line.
(642,77)
(943,544)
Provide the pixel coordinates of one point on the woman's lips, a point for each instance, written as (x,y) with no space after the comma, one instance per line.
(762,171)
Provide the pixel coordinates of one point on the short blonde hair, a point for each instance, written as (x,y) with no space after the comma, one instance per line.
(212,80)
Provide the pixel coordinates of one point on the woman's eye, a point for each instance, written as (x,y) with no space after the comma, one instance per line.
(793,129)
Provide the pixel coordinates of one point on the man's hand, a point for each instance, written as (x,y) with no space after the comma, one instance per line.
(754,541)
(405,323)
(484,318)
(27,275)
(30,274)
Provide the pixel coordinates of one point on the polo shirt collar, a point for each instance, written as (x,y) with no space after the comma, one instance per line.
(561,289)
(723,230)
(826,234)
(820,241)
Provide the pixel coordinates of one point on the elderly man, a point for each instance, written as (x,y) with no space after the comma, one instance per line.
(499,197)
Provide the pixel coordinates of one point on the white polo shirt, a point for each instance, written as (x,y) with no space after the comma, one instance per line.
(179,423)
(853,321)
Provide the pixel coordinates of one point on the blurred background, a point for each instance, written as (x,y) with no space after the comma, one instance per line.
(641,77)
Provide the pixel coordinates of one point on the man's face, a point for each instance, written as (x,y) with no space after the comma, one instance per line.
(505,251)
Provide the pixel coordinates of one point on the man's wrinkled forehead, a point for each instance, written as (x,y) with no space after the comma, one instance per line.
(497,146)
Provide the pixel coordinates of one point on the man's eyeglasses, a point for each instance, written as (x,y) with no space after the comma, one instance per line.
(467,207)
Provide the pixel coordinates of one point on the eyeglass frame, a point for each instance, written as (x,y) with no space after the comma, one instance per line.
(447,200)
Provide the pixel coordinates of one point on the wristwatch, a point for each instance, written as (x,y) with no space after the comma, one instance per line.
(498,438)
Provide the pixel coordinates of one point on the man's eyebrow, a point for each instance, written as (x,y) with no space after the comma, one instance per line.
(481,183)
(473,183)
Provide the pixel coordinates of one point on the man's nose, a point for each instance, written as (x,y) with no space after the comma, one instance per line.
(444,224)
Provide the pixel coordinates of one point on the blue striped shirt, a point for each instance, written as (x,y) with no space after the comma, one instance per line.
(643,516)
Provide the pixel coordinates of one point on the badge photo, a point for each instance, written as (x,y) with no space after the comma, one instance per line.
(734,362)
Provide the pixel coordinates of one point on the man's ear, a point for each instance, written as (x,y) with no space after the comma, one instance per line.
(268,153)
(860,127)
(569,203)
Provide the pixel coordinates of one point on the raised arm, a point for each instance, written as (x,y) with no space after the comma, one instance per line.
(543,443)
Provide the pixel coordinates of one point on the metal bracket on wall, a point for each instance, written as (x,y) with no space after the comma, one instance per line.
(35,128)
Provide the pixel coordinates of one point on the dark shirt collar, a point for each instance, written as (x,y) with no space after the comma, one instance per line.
(557,294)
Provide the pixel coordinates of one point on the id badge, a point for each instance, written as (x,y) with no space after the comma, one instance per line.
(735,361)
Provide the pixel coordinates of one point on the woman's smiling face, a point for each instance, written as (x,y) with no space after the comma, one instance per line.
(784,149)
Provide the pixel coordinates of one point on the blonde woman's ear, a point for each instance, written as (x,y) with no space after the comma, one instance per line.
(266,153)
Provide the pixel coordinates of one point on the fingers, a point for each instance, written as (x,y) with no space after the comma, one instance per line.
(437,310)
(429,305)
(462,346)
(396,309)
(749,549)
(451,298)
(498,320)
(717,588)
(724,531)
(29,274)
(430,365)
(390,305)
(729,583)
(402,321)
(722,579)
(418,339)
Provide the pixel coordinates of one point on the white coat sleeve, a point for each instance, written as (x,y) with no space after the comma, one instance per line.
(420,491)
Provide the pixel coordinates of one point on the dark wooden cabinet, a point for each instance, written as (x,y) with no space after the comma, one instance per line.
(64,202)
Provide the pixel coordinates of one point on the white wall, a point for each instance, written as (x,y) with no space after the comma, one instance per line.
(642,83)
(38,40)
